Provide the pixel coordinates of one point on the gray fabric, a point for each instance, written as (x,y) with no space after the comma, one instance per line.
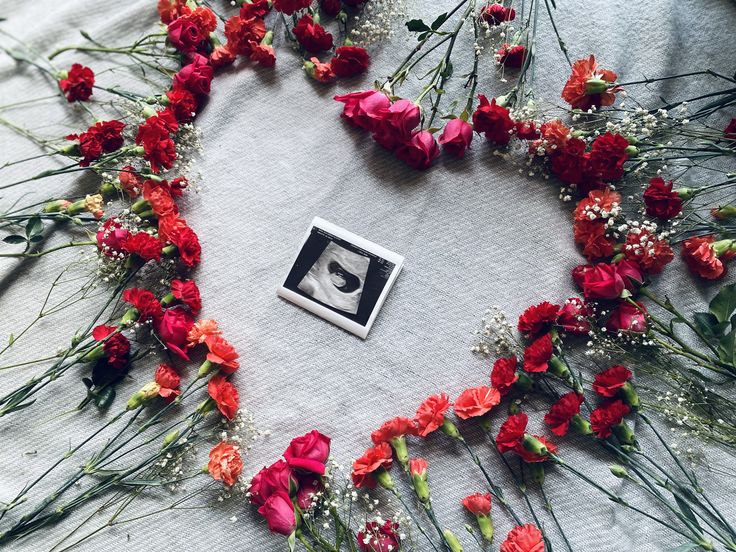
(276,154)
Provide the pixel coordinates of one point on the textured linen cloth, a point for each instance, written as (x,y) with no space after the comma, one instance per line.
(276,154)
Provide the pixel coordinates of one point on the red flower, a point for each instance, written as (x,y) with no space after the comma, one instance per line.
(224,394)
(527,130)
(111,237)
(581,94)
(602,281)
(102,137)
(225,464)
(627,318)
(115,347)
(537,355)
(312,36)
(222,353)
(257,8)
(392,429)
(188,293)
(511,433)
(321,72)
(159,198)
(523,538)
(158,147)
(476,401)
(365,467)
(185,34)
(571,164)
(78,83)
(608,155)
(279,513)
(493,120)
(456,137)
(529,456)
(538,318)
(603,418)
(169,10)
(631,273)
(364,109)
(277,477)
(222,56)
(495,14)
(143,244)
(559,416)
(168,380)
(648,250)
(572,317)
(172,329)
(701,258)
(379,538)
(609,382)
(431,414)
(478,504)
(350,61)
(330,7)
(555,134)
(591,234)
(187,242)
(395,124)
(512,56)
(195,77)
(241,33)
(420,151)
(182,104)
(263,54)
(418,467)
(598,205)
(660,200)
(145,303)
(503,375)
(130,181)
(309,452)
(310,486)
(290,6)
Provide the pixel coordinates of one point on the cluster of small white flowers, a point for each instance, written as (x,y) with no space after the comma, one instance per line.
(171,466)
(496,334)
(241,432)
(377,21)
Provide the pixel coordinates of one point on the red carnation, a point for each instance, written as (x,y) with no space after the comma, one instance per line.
(527,130)
(225,396)
(188,293)
(312,36)
(660,200)
(495,14)
(169,10)
(598,205)
(572,317)
(588,87)
(350,61)
(503,375)
(257,8)
(187,242)
(430,415)
(524,538)
(182,104)
(144,302)
(102,137)
(393,429)
(608,155)
(648,250)
(609,382)
(168,380)
(158,148)
(290,6)
(538,318)
(115,347)
(130,181)
(366,467)
(591,234)
(221,352)
(701,257)
(478,504)
(512,56)
(538,354)
(143,244)
(77,84)
(562,412)
(493,120)
(603,418)
(529,456)
(511,432)
(241,33)
(158,196)
(263,54)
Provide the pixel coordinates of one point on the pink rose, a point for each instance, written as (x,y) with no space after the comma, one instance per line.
(110,238)
(603,282)
(362,109)
(279,513)
(277,477)
(627,318)
(456,137)
(309,452)
(419,151)
(172,329)
(396,124)
(195,77)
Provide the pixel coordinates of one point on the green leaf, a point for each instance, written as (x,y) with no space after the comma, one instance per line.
(437,23)
(723,304)
(709,325)
(14,239)
(687,511)
(727,348)
(292,541)
(104,398)
(417,26)
(447,73)
(35,239)
(34,226)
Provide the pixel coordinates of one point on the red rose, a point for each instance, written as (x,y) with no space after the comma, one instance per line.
(182,104)
(310,487)
(242,32)
(110,238)
(374,537)
(364,109)
(312,36)
(648,250)
(493,120)
(495,14)
(660,200)
(524,538)
(309,452)
(608,155)
(188,293)
(172,330)
(168,380)
(395,124)
(587,87)
(538,318)
(143,244)
(456,137)
(562,412)
(478,504)
(144,302)
(257,8)
(373,460)
(349,61)
(263,54)
(430,415)
(476,402)
(277,477)
(627,318)
(609,382)
(602,281)
(290,6)
(279,513)
(225,464)
(701,258)
(185,35)
(330,7)
(631,273)
(225,395)
(420,151)
(538,354)
(512,56)
(503,375)
(572,317)
(77,84)
(578,273)
(511,432)
(187,242)
(393,429)
(603,418)
(195,77)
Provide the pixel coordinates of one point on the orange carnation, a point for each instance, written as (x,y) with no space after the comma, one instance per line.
(476,401)
(225,464)
(222,353)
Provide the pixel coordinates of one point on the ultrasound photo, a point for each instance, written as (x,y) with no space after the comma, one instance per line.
(341,277)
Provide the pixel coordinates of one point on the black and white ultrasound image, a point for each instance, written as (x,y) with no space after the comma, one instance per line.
(339,275)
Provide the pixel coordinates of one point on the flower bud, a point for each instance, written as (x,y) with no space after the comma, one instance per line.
(596,86)
(724,213)
(619,471)
(630,396)
(418,472)
(107,189)
(167,299)
(452,541)
(140,206)
(384,479)
(95,354)
(534,445)
(399,446)
(685,193)
(56,206)
(632,151)
(145,394)
(171,437)
(451,430)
